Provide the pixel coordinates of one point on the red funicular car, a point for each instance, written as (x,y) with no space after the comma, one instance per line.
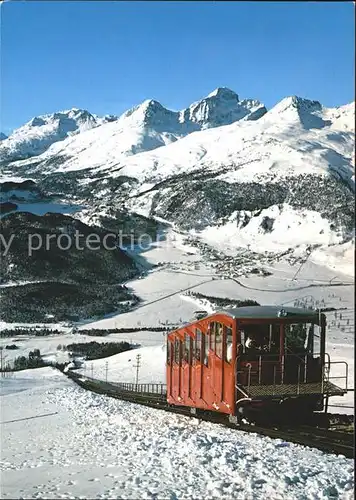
(248,358)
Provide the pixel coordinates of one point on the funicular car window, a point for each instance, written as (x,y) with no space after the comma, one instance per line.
(186,353)
(271,342)
(169,352)
(176,351)
(261,339)
(228,344)
(297,337)
(212,336)
(197,344)
(218,339)
(205,349)
(191,348)
(314,340)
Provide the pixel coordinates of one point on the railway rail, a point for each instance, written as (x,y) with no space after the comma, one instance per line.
(318,435)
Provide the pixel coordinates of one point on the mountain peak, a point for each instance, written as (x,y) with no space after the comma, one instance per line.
(37,121)
(151,103)
(74,114)
(151,114)
(151,106)
(223,93)
(222,107)
(42,131)
(298,103)
(309,114)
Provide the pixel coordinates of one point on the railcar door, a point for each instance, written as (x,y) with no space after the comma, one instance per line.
(228,373)
(240,369)
(218,366)
(222,379)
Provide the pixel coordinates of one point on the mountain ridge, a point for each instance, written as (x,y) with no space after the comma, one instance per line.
(155,124)
(294,163)
(39,133)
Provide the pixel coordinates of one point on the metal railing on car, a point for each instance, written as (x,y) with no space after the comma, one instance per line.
(273,371)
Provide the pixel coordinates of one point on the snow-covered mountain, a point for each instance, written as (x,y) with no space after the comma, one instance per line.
(38,134)
(143,128)
(226,170)
(222,107)
(2,136)
(283,181)
(296,136)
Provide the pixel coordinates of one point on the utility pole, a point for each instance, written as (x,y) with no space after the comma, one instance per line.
(2,359)
(106,370)
(137,366)
(92,370)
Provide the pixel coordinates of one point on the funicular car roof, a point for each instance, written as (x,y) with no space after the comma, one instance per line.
(269,312)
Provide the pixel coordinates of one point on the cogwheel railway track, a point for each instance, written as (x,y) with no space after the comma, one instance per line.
(330,441)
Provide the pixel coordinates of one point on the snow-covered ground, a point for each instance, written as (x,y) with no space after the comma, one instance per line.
(122,367)
(340,258)
(60,441)
(8,177)
(292,228)
(63,327)
(48,345)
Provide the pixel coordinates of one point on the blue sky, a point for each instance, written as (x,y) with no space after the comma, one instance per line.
(109,56)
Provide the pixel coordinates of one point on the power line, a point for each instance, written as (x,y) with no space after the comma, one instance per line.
(302,264)
(284,290)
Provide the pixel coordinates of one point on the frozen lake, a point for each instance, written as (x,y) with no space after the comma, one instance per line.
(42,208)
